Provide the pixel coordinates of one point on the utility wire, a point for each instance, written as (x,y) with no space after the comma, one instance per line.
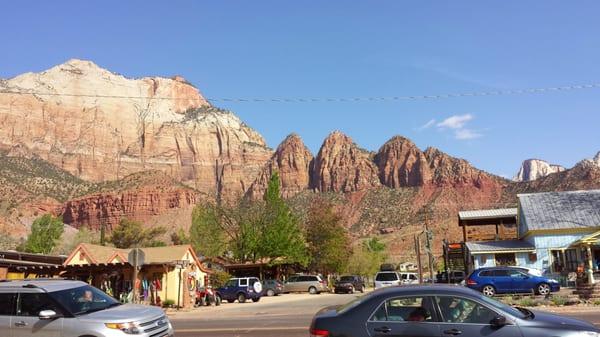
(329,99)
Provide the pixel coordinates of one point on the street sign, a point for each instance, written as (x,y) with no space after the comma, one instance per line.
(136,257)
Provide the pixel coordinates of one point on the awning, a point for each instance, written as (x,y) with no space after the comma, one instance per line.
(500,246)
(591,239)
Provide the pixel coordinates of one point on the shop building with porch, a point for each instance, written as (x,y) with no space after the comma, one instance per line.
(557,233)
(167,273)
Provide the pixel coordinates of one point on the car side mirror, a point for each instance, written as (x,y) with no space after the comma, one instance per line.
(498,322)
(47,314)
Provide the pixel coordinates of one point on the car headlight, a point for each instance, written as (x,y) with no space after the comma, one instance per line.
(129,327)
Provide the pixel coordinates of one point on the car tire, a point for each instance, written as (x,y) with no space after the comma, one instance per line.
(312,290)
(256,299)
(241,298)
(362,289)
(218,300)
(488,290)
(543,289)
(351,291)
(270,292)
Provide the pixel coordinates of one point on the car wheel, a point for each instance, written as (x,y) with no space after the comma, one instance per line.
(351,291)
(362,289)
(230,301)
(543,289)
(489,290)
(270,292)
(218,300)
(312,290)
(256,299)
(241,298)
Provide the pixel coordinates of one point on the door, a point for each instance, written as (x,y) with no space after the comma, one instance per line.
(519,281)
(290,284)
(27,323)
(228,290)
(502,280)
(304,284)
(465,317)
(404,316)
(7,309)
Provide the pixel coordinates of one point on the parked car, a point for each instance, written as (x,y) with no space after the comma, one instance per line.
(314,284)
(440,310)
(456,277)
(495,280)
(272,287)
(386,279)
(241,289)
(206,296)
(409,278)
(348,284)
(55,307)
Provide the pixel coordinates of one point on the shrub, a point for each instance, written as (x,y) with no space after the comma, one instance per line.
(528,302)
(168,303)
(558,300)
(596,301)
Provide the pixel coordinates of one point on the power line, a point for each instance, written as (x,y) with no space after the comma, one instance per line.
(329,99)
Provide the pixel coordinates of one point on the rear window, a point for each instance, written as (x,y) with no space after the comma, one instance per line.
(386,277)
(347,279)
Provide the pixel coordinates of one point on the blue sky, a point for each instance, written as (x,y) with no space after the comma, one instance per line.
(350,49)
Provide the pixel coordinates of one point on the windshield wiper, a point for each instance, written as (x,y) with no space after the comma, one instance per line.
(528,313)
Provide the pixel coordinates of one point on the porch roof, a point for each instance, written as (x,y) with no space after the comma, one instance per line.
(500,246)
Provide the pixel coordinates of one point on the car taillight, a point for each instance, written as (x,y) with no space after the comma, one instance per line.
(318,333)
(471,282)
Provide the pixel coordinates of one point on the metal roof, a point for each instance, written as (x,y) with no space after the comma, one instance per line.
(561,210)
(507,246)
(487,213)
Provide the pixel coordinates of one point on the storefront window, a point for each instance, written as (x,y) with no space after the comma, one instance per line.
(505,259)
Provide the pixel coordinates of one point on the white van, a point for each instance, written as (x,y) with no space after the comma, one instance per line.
(386,279)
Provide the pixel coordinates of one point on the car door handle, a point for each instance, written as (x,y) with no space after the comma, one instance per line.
(20,323)
(453,332)
(384,329)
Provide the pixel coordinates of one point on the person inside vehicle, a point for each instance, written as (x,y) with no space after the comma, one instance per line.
(420,314)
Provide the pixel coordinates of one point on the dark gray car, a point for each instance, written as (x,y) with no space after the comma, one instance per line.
(440,310)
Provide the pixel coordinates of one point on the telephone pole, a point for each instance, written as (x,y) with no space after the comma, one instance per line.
(418,254)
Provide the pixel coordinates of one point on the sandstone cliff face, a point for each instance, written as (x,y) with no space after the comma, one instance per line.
(402,164)
(341,166)
(109,126)
(139,197)
(533,169)
(292,162)
(449,171)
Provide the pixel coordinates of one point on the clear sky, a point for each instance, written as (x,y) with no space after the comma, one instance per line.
(271,49)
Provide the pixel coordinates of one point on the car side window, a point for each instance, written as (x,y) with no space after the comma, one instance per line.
(243,282)
(30,304)
(500,272)
(462,310)
(516,273)
(8,304)
(292,279)
(405,309)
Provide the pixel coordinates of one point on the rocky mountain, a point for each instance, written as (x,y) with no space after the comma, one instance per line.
(595,160)
(95,147)
(532,169)
(291,161)
(341,166)
(101,126)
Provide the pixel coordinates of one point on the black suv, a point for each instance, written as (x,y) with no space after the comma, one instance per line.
(348,284)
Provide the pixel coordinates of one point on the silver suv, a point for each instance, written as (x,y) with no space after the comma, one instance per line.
(61,308)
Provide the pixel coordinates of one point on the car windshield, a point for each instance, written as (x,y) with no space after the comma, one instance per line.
(386,277)
(346,279)
(83,300)
(503,307)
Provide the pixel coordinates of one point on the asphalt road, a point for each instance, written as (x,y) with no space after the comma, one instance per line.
(287,315)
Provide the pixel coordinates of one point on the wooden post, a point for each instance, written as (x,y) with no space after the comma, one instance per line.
(590,265)
(418,253)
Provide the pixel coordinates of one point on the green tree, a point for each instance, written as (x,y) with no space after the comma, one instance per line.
(131,233)
(367,258)
(281,239)
(328,241)
(206,233)
(45,232)
(180,237)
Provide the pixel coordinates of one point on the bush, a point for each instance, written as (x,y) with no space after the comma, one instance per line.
(596,301)
(168,303)
(558,300)
(219,278)
(528,302)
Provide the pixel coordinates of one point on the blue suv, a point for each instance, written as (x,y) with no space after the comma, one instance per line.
(495,280)
(241,289)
